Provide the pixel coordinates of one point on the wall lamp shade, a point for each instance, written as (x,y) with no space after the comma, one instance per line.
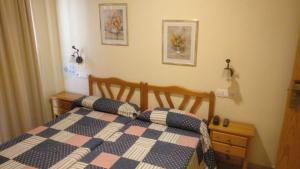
(228,71)
(76,55)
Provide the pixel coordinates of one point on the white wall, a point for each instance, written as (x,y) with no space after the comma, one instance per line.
(259,36)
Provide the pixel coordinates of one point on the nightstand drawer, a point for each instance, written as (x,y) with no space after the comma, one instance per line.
(58,111)
(229,150)
(229,139)
(62,104)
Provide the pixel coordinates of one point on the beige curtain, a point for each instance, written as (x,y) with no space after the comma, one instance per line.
(20,89)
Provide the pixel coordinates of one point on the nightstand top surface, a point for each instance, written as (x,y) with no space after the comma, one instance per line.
(68,96)
(236,128)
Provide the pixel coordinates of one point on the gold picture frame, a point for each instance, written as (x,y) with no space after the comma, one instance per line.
(179,42)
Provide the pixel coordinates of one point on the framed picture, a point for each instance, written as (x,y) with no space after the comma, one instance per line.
(113,23)
(180,42)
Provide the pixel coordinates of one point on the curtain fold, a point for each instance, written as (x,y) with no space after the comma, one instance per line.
(20,86)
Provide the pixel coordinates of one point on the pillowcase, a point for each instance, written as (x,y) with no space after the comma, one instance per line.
(108,106)
(173,118)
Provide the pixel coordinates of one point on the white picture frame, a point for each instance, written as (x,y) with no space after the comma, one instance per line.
(113,24)
(179,42)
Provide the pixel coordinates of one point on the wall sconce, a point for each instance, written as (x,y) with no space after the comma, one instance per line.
(78,59)
(229,72)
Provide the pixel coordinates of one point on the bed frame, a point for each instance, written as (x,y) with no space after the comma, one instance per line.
(144,89)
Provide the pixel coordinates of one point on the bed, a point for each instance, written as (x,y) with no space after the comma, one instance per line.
(108,132)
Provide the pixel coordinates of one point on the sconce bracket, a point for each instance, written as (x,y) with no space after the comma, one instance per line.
(76,55)
(228,67)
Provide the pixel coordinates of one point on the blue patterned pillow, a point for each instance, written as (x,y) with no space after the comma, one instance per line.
(108,106)
(173,118)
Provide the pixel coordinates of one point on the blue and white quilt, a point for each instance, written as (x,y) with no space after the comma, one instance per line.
(149,143)
(61,142)
(102,133)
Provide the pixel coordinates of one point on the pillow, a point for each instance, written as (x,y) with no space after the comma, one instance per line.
(173,118)
(108,106)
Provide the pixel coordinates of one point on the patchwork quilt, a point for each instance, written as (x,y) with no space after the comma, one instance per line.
(86,137)
(147,145)
(61,142)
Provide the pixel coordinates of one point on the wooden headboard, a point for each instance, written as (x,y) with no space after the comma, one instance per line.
(107,83)
(144,89)
(187,95)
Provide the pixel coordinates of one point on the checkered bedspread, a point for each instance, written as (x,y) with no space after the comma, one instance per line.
(85,138)
(146,145)
(61,142)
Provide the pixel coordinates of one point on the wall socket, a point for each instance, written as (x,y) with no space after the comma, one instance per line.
(223,93)
(74,70)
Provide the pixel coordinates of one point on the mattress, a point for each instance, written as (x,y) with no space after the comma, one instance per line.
(146,145)
(61,142)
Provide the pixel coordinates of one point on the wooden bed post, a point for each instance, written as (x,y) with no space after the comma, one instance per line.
(144,96)
(211,108)
(90,85)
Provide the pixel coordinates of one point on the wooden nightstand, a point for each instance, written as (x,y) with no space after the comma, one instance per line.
(232,140)
(63,102)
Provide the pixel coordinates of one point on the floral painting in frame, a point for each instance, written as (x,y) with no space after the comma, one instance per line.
(180,42)
(113,23)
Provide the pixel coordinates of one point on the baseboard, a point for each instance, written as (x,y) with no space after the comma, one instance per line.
(236,162)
